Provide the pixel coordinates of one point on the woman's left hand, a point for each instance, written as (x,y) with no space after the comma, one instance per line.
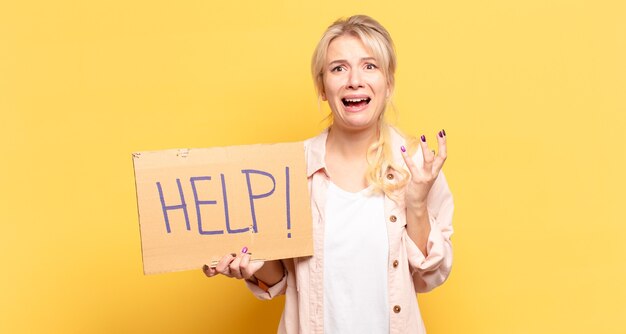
(422,178)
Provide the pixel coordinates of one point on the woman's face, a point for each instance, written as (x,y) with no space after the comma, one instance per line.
(354,85)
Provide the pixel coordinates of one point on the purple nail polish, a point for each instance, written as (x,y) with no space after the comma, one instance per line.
(402,148)
(440,134)
(444,131)
(423,138)
(244,250)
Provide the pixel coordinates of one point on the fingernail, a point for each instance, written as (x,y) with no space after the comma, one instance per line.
(423,138)
(440,134)
(233,254)
(244,250)
(444,131)
(402,148)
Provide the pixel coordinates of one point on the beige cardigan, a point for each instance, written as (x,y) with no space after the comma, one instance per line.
(408,270)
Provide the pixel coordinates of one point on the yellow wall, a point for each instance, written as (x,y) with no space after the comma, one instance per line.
(531,93)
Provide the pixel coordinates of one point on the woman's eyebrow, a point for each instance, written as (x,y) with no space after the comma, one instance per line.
(338,61)
(341,61)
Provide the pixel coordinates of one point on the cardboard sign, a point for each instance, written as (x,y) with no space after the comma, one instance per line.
(197,205)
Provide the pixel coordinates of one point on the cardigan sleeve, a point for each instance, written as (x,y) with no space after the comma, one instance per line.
(432,270)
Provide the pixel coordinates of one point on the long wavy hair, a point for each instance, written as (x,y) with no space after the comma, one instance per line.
(377,39)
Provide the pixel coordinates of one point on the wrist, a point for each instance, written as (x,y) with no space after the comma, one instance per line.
(418,208)
(264,286)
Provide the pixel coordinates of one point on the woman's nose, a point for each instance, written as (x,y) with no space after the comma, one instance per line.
(355,80)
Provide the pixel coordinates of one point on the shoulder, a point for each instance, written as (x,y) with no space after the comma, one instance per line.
(316,146)
(316,141)
(315,151)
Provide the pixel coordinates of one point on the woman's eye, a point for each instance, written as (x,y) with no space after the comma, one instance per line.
(370,66)
(337,69)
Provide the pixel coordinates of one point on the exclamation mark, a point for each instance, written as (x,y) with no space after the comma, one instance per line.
(288,203)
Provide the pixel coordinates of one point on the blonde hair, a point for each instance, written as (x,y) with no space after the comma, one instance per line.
(377,39)
(373,35)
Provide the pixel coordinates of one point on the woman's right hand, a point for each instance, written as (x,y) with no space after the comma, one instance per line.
(235,266)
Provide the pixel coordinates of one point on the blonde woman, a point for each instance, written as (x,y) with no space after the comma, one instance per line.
(382,210)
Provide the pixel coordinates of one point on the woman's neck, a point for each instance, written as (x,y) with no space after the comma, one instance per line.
(351,144)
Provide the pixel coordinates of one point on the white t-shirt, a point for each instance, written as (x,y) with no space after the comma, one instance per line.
(355,263)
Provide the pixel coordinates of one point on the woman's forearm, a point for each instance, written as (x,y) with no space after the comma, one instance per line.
(418,226)
(271,272)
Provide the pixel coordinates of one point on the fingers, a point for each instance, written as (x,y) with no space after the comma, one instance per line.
(443,152)
(232,265)
(223,267)
(409,162)
(441,142)
(235,266)
(428,154)
(243,266)
(208,271)
(247,268)
(433,162)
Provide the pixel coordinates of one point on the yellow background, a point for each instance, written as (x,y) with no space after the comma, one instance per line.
(531,94)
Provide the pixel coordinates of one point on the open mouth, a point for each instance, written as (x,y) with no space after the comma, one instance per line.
(356,102)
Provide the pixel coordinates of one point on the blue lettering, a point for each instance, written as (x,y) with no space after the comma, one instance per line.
(288,201)
(182,206)
(199,202)
(252,196)
(241,230)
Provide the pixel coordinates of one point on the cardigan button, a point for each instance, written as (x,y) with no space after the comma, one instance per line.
(395,263)
(393,218)
(389,176)
(397,309)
